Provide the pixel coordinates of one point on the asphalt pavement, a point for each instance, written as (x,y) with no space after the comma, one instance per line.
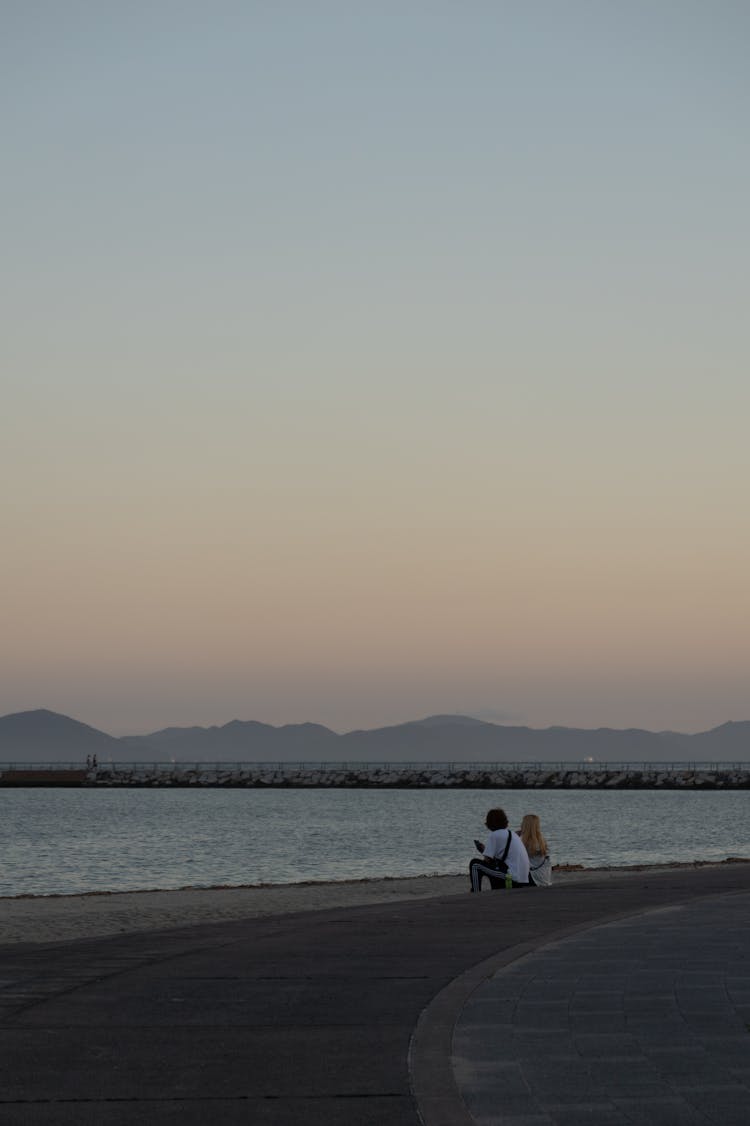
(578,1003)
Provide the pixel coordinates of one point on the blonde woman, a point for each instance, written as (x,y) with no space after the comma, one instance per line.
(540,865)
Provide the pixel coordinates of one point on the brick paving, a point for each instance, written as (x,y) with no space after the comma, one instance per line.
(645,1020)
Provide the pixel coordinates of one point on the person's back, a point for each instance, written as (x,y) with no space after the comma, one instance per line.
(503,852)
(516,858)
(540,865)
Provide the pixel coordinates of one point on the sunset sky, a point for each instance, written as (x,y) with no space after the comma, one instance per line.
(366,360)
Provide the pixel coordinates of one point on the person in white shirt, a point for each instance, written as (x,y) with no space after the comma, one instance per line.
(502,851)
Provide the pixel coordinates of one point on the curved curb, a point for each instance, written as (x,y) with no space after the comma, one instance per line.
(433,1086)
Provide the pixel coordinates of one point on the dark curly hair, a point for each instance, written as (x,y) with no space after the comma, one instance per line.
(496,819)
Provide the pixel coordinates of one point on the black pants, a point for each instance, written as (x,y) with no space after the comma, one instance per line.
(480,868)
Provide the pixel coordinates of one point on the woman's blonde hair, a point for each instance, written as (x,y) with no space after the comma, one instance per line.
(532,836)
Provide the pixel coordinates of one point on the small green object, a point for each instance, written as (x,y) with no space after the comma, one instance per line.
(508,880)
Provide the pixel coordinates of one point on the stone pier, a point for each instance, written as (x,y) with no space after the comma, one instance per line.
(396,776)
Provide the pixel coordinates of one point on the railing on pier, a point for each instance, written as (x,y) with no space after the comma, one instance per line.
(453,767)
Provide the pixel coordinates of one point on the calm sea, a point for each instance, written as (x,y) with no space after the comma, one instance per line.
(64,841)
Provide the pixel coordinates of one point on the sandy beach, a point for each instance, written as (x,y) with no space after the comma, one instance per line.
(64,917)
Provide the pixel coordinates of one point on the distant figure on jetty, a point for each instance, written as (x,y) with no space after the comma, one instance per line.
(503,855)
(540,865)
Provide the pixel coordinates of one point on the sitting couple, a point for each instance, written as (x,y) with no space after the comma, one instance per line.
(509,859)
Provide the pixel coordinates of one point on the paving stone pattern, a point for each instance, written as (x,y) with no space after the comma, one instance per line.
(645,1021)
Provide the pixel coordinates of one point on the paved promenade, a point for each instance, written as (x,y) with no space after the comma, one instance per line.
(616,1001)
(646,1021)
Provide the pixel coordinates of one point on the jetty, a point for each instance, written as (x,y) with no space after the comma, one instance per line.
(388,775)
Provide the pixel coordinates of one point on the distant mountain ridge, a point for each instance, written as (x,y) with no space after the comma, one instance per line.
(45,736)
(42,736)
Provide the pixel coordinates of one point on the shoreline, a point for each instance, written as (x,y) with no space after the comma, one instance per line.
(60,917)
(558,869)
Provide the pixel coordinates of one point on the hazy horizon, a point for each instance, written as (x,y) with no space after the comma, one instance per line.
(367,362)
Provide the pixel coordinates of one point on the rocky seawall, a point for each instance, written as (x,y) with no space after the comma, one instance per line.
(394,776)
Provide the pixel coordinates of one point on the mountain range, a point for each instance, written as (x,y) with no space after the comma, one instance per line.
(45,736)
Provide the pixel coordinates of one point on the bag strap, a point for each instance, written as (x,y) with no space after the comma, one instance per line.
(507,848)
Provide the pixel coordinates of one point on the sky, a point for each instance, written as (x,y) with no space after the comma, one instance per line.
(366,361)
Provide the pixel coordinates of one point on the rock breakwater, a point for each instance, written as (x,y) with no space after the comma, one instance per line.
(394,776)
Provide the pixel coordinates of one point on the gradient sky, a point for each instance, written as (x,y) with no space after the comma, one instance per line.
(366,360)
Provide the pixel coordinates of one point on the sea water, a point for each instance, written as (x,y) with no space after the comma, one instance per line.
(62,841)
